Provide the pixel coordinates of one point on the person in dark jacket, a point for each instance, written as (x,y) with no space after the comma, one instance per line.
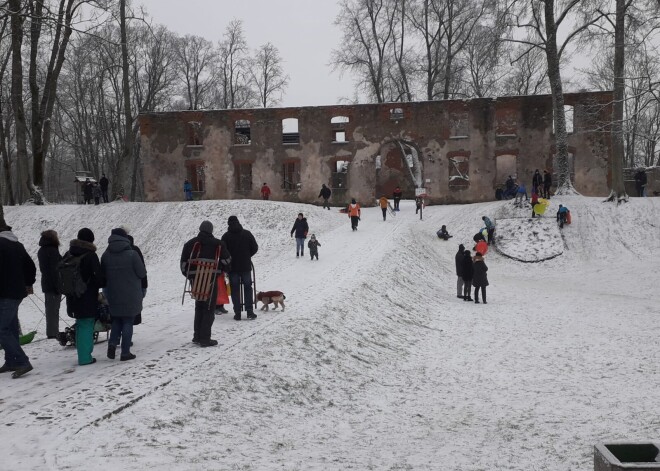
(640,182)
(205,310)
(104,182)
(443,233)
(325,193)
(467,272)
(84,308)
(88,191)
(537,181)
(459,271)
(396,196)
(313,246)
(480,278)
(49,256)
(124,271)
(300,228)
(145,280)
(242,246)
(17,275)
(547,183)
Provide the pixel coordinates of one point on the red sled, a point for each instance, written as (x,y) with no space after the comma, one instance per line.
(568,217)
(223,295)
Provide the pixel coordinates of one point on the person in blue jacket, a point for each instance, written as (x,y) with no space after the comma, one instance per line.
(187,190)
(490,227)
(562,214)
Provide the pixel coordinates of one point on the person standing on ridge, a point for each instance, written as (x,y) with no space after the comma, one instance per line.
(325,193)
(265,192)
(396,196)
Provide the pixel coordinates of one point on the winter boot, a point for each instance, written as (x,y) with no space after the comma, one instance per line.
(128,357)
(112,349)
(221,309)
(208,343)
(237,317)
(251,316)
(4,368)
(21,370)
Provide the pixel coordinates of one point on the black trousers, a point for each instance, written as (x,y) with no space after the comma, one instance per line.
(354,222)
(384,213)
(483,293)
(396,203)
(326,204)
(467,288)
(205,316)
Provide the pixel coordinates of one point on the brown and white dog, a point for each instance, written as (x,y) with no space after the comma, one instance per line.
(267,297)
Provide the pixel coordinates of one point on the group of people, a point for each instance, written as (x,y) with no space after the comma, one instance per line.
(300,229)
(96,191)
(641,181)
(470,271)
(120,274)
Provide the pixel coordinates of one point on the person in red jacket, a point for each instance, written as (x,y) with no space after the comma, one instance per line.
(265,192)
(354,214)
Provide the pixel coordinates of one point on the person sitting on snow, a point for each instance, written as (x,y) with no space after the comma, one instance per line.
(443,234)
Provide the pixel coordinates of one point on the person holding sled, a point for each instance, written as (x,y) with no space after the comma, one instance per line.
(242,246)
(325,193)
(17,275)
(313,246)
(205,245)
(479,278)
(300,228)
(49,257)
(354,214)
(83,308)
(396,196)
(382,202)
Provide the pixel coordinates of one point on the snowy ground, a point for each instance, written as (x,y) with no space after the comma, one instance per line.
(374,365)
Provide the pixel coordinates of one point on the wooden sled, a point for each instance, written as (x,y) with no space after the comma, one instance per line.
(200,275)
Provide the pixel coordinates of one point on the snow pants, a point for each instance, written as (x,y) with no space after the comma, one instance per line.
(85,340)
(15,357)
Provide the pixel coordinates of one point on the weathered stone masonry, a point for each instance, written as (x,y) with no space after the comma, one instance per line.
(458,151)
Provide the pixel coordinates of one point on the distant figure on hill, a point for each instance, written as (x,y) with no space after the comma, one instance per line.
(396,196)
(562,215)
(479,279)
(522,191)
(537,181)
(419,202)
(187,190)
(265,192)
(354,214)
(88,191)
(325,193)
(104,182)
(383,206)
(640,182)
(547,183)
(313,246)
(443,234)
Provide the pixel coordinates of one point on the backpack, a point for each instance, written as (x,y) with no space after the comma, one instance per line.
(69,279)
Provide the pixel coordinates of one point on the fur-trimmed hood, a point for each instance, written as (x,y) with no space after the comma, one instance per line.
(9,235)
(78,247)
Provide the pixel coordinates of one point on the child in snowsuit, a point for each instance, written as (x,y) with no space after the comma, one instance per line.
(313,246)
(443,234)
(562,214)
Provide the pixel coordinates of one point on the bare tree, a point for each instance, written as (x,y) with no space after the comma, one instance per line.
(268,75)
(529,75)
(234,69)
(367,32)
(483,56)
(195,57)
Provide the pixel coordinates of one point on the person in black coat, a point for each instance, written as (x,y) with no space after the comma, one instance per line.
(537,181)
(325,193)
(88,191)
(547,183)
(640,182)
(104,182)
(17,275)
(84,308)
(480,278)
(49,256)
(459,271)
(144,281)
(242,246)
(205,310)
(467,272)
(300,228)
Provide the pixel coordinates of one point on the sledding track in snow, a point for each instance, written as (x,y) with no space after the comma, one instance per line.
(374,365)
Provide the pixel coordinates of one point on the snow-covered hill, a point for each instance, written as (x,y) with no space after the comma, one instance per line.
(375,364)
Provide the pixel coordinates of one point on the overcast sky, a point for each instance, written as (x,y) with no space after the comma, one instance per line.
(303,31)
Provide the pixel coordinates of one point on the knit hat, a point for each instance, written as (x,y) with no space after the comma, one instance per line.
(232,219)
(86,234)
(206,226)
(461,247)
(313,237)
(119,231)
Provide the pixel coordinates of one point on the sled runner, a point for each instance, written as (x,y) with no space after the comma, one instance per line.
(200,275)
(254,290)
(390,209)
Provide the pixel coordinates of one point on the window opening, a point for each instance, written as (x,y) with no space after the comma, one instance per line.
(242,132)
(290,134)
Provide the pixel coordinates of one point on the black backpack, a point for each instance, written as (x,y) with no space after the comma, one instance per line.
(69,278)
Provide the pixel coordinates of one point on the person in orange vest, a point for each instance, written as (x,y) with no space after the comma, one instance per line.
(354,214)
(265,192)
(383,206)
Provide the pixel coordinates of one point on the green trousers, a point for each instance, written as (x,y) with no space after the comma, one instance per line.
(85,340)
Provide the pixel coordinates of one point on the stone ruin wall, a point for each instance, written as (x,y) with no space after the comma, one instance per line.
(460,150)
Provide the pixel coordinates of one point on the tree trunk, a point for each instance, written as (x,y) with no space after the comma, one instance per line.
(17,94)
(617,187)
(2,216)
(564,185)
(122,180)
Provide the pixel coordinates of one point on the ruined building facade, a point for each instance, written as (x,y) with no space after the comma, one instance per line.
(455,151)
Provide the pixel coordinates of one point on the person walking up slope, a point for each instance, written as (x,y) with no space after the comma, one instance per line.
(480,278)
(325,193)
(354,214)
(17,275)
(383,206)
(313,246)
(300,228)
